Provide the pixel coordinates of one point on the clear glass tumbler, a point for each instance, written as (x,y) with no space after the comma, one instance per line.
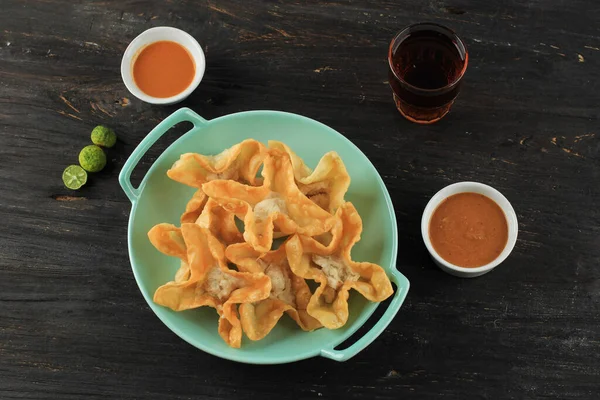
(427,62)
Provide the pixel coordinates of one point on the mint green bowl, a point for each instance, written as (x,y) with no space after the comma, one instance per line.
(159,199)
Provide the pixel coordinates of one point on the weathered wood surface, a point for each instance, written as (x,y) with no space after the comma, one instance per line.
(72,322)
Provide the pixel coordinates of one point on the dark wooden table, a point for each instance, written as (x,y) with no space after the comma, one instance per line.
(72,321)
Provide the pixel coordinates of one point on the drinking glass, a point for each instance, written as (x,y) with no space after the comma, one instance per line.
(427,62)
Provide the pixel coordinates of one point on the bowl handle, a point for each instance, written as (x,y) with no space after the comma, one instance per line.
(181,115)
(402,285)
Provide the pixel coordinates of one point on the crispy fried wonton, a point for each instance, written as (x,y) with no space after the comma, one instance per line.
(289,293)
(331,266)
(209,282)
(240,162)
(326,185)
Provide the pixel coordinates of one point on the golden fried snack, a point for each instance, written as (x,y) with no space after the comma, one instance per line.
(332,267)
(210,282)
(278,203)
(194,207)
(240,162)
(289,292)
(220,222)
(326,185)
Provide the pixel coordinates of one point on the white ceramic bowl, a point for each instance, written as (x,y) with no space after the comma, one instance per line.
(154,35)
(472,187)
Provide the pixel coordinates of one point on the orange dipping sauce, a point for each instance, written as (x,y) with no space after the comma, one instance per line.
(163,69)
(468,230)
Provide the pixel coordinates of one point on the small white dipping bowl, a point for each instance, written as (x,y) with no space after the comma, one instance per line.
(158,34)
(470,187)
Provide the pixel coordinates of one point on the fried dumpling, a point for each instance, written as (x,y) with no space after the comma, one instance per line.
(326,185)
(240,162)
(331,266)
(278,205)
(209,282)
(289,293)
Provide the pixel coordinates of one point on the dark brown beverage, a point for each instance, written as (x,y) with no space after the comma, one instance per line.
(427,62)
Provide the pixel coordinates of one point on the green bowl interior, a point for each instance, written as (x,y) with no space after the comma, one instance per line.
(163,200)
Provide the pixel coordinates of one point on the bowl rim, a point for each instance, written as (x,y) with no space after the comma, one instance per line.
(135,46)
(496,197)
(243,357)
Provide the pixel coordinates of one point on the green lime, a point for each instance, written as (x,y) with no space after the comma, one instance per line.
(104,136)
(74,177)
(92,158)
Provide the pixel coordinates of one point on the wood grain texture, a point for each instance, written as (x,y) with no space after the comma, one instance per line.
(73,324)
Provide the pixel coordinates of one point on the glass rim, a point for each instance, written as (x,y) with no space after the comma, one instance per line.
(446,30)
